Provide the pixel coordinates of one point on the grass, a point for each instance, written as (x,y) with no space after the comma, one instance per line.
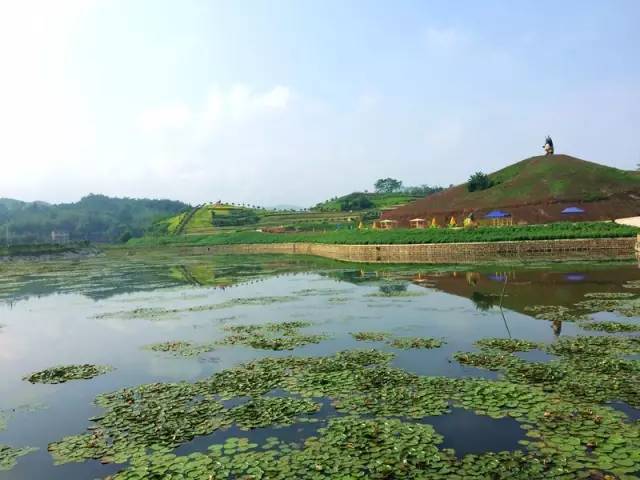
(405,236)
(379,200)
(533,181)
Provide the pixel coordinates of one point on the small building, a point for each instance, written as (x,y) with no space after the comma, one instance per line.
(388,224)
(499,218)
(418,223)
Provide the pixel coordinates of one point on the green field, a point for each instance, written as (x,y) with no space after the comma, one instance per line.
(405,236)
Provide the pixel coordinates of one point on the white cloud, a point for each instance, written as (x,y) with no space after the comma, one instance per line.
(167,117)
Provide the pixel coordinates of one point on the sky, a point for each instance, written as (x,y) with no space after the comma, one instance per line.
(292,102)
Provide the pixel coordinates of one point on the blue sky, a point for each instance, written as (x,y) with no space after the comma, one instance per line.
(274,102)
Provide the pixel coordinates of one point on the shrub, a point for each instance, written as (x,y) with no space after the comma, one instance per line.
(479,181)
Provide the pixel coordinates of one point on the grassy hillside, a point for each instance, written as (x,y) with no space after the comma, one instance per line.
(220,218)
(380,201)
(538,180)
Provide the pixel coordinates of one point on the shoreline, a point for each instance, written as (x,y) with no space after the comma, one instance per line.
(432,253)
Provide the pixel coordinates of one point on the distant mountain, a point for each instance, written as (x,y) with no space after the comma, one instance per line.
(536,190)
(94,217)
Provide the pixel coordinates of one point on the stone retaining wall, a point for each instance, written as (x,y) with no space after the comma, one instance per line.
(574,249)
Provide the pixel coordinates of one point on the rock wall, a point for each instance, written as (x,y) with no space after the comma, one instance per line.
(574,249)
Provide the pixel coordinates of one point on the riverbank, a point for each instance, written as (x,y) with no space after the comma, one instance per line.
(45,251)
(451,253)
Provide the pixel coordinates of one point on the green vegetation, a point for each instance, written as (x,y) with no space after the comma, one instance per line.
(65,373)
(403,343)
(383,430)
(507,344)
(355,201)
(271,336)
(94,217)
(370,336)
(406,343)
(387,185)
(182,349)
(41,249)
(479,181)
(9,455)
(611,327)
(539,183)
(405,236)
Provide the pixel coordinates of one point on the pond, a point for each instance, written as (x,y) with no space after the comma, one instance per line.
(299,367)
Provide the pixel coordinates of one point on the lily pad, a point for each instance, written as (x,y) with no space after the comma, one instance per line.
(64,373)
(9,455)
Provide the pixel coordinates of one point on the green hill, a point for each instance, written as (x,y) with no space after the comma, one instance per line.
(218,218)
(94,217)
(536,190)
(378,201)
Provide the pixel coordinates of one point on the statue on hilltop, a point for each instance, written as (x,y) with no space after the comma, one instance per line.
(548,146)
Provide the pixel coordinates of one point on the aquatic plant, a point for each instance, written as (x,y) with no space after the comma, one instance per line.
(182,348)
(9,455)
(370,336)
(271,336)
(609,295)
(64,373)
(264,412)
(611,327)
(555,313)
(507,344)
(406,343)
(155,313)
(568,434)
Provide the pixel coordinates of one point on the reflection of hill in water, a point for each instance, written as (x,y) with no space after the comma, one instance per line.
(104,277)
(531,287)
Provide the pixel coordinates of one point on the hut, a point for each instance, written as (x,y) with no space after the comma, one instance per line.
(418,223)
(499,218)
(388,224)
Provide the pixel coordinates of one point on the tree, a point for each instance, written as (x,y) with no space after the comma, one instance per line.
(387,185)
(355,201)
(125,237)
(479,181)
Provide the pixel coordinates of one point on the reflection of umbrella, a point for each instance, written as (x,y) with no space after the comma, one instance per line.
(574,277)
(497,214)
(497,278)
(570,210)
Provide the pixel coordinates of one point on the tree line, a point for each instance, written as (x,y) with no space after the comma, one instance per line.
(95,218)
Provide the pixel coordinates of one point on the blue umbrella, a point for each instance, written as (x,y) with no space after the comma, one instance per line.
(573,210)
(497,214)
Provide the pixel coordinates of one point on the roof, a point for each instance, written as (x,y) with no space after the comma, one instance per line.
(573,210)
(497,214)
(388,221)
(417,220)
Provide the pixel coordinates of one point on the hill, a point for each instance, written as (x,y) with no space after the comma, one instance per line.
(378,201)
(536,190)
(219,218)
(94,217)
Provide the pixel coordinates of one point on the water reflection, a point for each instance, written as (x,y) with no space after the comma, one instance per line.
(54,313)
